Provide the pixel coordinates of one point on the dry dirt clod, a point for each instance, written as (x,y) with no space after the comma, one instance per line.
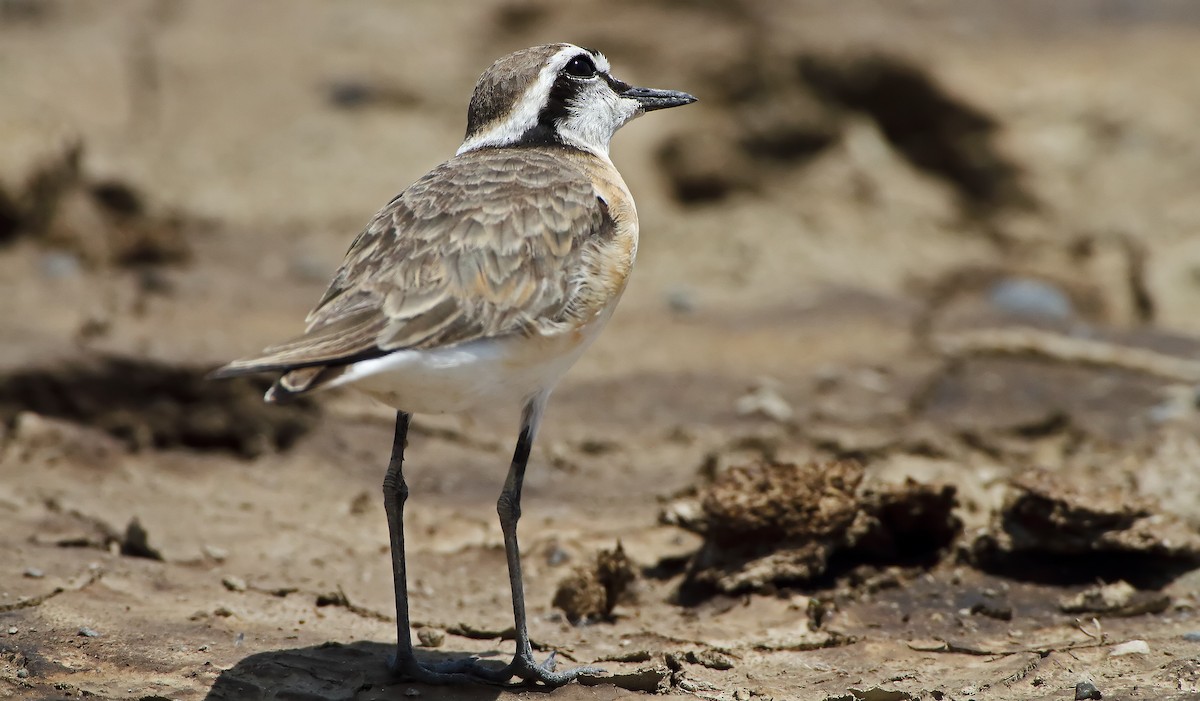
(149,404)
(136,542)
(955,140)
(773,523)
(874,693)
(711,659)
(592,592)
(998,611)
(654,679)
(1054,531)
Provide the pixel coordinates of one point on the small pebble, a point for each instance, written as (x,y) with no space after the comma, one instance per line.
(557,556)
(60,265)
(13,630)
(88,633)
(1192,637)
(763,400)
(431,637)
(34,573)
(1086,690)
(1030,297)
(22,673)
(412,692)
(681,300)
(1132,647)
(234,583)
(215,552)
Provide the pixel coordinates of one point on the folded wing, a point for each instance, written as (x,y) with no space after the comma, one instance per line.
(489,244)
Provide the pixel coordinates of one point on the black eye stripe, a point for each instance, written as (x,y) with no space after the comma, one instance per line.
(618,86)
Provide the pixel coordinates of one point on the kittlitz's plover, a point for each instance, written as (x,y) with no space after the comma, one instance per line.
(481,284)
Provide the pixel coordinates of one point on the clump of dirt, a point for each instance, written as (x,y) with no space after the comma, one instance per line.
(933,129)
(591,592)
(1049,530)
(104,222)
(71,528)
(149,404)
(782,110)
(779,523)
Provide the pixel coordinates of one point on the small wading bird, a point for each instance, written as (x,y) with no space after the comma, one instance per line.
(481,284)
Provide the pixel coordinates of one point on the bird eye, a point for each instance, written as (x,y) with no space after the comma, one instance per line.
(581,67)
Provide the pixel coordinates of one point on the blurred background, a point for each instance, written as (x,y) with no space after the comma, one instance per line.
(945,251)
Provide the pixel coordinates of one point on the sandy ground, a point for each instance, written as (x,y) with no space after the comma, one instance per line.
(904,376)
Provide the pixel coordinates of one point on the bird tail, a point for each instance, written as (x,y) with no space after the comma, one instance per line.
(291,384)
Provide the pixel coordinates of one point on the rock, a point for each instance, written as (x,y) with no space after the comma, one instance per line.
(1117,599)
(764,400)
(1131,647)
(431,637)
(216,552)
(1086,690)
(233,583)
(1023,296)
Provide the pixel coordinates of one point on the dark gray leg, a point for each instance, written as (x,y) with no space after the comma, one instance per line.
(395,493)
(509,509)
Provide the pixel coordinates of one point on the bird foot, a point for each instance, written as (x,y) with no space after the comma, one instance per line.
(410,670)
(472,669)
(529,671)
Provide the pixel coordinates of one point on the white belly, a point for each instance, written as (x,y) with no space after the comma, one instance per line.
(507,370)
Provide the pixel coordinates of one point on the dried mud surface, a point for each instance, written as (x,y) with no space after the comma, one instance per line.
(900,403)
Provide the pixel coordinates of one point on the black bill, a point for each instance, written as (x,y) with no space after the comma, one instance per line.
(651,99)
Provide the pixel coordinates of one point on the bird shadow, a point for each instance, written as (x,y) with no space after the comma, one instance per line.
(332,672)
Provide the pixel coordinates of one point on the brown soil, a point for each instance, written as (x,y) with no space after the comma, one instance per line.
(900,403)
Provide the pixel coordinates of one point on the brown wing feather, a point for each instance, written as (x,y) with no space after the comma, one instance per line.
(488,244)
